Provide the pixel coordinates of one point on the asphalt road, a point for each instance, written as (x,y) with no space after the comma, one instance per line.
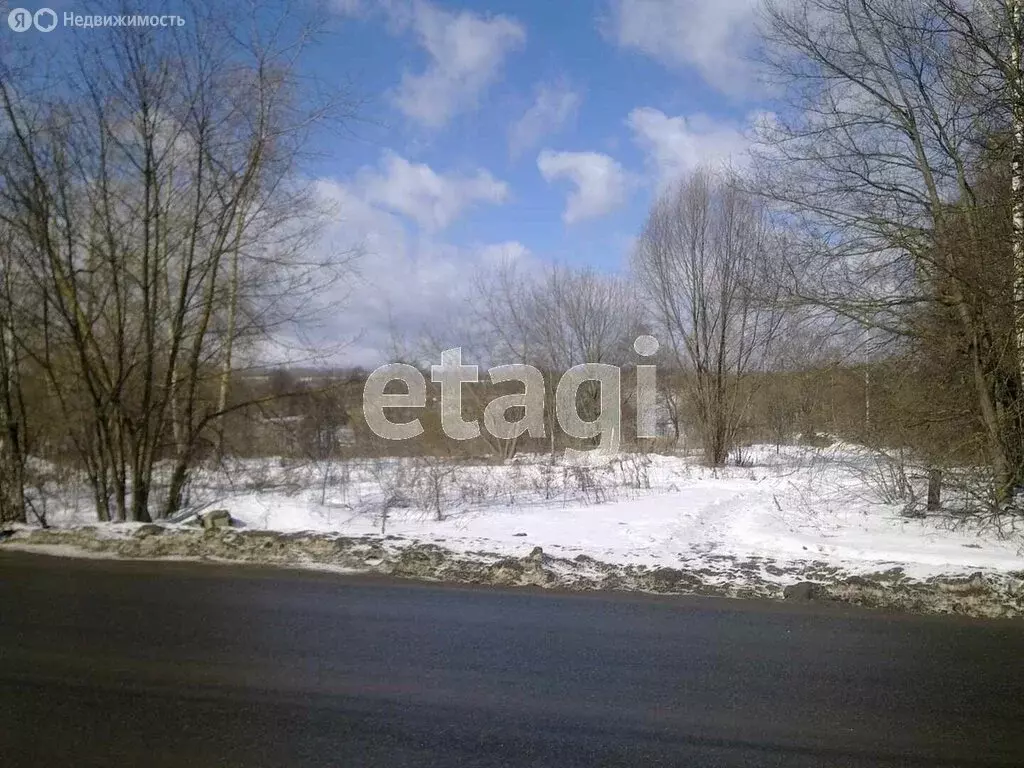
(146,664)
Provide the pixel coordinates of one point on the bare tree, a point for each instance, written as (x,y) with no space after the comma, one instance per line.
(892,107)
(701,262)
(156,195)
(555,318)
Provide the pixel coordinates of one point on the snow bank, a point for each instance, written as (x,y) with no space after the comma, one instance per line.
(792,506)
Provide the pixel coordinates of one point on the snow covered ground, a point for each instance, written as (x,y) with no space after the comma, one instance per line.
(795,506)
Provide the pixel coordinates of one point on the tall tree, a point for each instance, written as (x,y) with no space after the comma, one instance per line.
(891,104)
(702,259)
(155,193)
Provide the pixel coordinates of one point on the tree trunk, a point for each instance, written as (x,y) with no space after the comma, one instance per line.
(934,490)
(176,489)
(1017,179)
(1013,477)
(229,342)
(141,480)
(12,435)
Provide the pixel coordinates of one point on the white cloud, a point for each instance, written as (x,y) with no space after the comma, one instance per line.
(676,145)
(407,281)
(349,7)
(431,199)
(466,52)
(498,253)
(601,183)
(555,105)
(713,36)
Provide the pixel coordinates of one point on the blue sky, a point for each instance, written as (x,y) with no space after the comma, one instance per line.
(536,130)
(523,129)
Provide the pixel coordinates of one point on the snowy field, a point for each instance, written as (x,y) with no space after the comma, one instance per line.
(794,506)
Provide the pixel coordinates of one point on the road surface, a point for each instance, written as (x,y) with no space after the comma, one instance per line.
(173,664)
